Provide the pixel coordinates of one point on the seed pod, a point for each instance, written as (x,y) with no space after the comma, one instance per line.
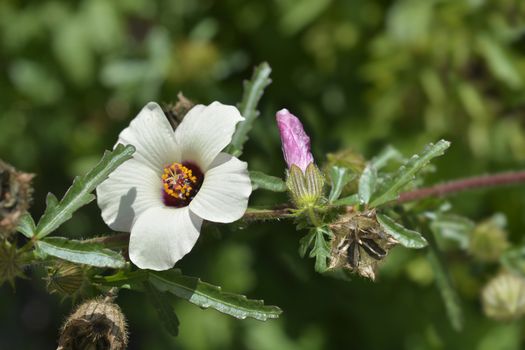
(503,298)
(359,244)
(96,324)
(66,279)
(15,197)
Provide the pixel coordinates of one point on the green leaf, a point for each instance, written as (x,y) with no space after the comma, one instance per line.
(206,295)
(306,242)
(367,183)
(406,237)
(93,254)
(514,260)
(320,246)
(26,225)
(350,200)
(164,309)
(253,91)
(387,155)
(79,194)
(448,293)
(267,182)
(452,227)
(389,189)
(339,177)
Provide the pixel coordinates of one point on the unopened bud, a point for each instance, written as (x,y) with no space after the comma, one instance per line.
(305,181)
(487,242)
(66,279)
(96,324)
(503,298)
(15,197)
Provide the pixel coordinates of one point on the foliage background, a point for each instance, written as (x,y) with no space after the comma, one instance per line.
(361,74)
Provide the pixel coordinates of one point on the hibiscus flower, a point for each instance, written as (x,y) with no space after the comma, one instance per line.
(175,180)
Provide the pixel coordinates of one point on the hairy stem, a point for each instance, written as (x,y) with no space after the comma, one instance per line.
(456,186)
(448,188)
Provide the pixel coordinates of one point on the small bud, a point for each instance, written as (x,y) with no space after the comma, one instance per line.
(487,242)
(15,197)
(360,243)
(96,324)
(11,265)
(295,141)
(66,279)
(503,297)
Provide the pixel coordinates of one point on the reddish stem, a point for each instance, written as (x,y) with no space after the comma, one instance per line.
(452,187)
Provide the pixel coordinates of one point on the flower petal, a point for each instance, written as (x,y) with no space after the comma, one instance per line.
(161,236)
(153,137)
(223,196)
(128,191)
(205,131)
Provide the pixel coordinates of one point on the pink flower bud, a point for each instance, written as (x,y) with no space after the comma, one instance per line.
(295,142)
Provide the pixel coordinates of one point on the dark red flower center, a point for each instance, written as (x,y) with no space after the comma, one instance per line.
(180,183)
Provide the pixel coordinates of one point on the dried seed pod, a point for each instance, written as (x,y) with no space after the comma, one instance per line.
(503,297)
(360,244)
(176,112)
(15,197)
(66,279)
(97,324)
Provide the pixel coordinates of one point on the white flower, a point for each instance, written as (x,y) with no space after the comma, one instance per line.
(174,181)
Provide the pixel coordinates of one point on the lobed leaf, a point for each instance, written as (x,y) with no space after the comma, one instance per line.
(406,237)
(339,178)
(93,254)
(315,239)
(206,295)
(389,189)
(164,309)
(79,194)
(253,91)
(266,182)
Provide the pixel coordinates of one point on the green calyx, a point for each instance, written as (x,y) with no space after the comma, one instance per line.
(306,189)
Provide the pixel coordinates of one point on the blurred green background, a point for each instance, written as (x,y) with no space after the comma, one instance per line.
(360,73)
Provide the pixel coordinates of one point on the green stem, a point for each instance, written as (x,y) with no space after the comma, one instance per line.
(312,215)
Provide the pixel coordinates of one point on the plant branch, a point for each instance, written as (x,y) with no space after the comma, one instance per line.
(448,188)
(456,186)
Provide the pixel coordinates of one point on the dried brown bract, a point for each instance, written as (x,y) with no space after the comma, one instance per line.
(15,197)
(359,243)
(176,112)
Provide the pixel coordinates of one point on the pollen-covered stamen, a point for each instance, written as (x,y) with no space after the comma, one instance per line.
(181,182)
